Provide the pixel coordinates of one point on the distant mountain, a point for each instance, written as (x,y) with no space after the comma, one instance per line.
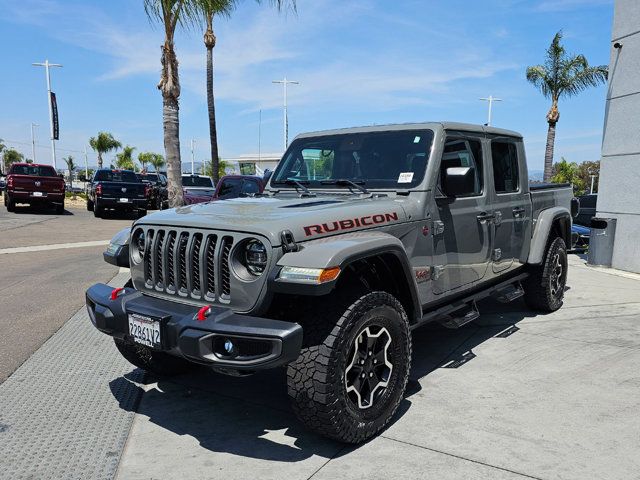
(536,175)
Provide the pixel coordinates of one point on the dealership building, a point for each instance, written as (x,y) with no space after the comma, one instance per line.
(619,185)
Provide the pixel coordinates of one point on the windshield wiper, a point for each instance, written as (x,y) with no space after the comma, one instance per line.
(300,185)
(345,182)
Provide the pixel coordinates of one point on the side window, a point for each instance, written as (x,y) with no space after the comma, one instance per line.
(505,166)
(461,167)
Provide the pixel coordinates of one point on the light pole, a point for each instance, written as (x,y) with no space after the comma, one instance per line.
(86,166)
(193,171)
(593,177)
(46,66)
(490,99)
(284,83)
(33,142)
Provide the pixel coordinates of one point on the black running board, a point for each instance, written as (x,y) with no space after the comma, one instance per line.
(465,301)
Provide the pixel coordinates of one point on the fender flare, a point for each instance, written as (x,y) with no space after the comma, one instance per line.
(342,251)
(543,225)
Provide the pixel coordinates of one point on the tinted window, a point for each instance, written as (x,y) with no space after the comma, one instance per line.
(35,170)
(194,181)
(116,176)
(463,152)
(250,187)
(148,177)
(230,188)
(377,159)
(505,166)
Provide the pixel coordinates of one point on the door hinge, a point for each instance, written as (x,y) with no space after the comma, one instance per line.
(437,271)
(438,227)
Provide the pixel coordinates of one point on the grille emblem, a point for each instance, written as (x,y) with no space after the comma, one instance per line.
(38,183)
(123,189)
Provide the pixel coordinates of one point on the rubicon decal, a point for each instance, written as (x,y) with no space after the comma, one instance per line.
(366,221)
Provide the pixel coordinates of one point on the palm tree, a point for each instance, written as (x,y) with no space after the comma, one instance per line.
(2,148)
(143,160)
(71,166)
(103,143)
(124,159)
(170,13)
(212,8)
(11,156)
(562,75)
(158,162)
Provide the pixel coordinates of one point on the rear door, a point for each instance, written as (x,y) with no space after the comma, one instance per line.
(510,201)
(462,233)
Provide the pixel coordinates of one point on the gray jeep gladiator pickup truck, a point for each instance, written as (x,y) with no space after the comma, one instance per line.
(360,236)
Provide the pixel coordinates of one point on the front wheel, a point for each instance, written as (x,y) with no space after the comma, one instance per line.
(544,288)
(349,386)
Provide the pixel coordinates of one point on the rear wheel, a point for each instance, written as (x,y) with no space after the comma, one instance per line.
(544,288)
(10,204)
(60,208)
(349,386)
(97,210)
(89,205)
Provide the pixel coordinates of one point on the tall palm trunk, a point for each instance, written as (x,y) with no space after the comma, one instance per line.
(99,159)
(170,87)
(210,42)
(552,118)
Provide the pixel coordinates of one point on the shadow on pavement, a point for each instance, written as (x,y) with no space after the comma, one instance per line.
(40,210)
(251,416)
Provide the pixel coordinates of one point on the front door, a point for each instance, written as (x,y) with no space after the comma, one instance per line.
(510,202)
(462,233)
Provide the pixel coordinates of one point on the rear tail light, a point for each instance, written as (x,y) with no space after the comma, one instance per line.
(147,190)
(98,190)
(10,182)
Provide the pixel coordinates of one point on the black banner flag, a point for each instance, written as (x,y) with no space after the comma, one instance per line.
(54,117)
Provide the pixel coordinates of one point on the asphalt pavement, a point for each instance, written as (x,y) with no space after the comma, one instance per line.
(41,288)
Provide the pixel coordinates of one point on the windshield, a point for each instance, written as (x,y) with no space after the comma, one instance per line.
(35,170)
(375,159)
(116,176)
(190,181)
(237,187)
(148,177)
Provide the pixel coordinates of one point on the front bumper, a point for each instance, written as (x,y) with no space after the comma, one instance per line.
(261,343)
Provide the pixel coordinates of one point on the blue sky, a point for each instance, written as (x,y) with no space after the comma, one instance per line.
(358,62)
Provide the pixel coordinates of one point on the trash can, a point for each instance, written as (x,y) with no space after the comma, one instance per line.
(603,232)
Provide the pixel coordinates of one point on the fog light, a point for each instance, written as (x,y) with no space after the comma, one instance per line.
(229,347)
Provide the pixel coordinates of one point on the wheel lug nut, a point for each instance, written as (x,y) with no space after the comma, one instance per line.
(375,361)
(361,362)
(370,352)
(363,375)
(370,374)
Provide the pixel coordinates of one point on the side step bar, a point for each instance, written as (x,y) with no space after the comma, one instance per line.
(465,316)
(507,290)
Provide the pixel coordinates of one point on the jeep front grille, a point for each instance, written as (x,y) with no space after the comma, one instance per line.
(189,264)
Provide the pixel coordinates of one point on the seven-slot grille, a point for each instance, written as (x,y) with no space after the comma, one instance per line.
(189,264)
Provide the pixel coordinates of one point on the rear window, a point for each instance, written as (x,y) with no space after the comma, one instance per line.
(149,177)
(115,176)
(189,181)
(34,170)
(230,188)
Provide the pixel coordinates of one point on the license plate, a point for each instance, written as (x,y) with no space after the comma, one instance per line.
(124,200)
(37,194)
(144,330)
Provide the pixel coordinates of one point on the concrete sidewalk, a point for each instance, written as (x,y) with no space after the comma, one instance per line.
(512,395)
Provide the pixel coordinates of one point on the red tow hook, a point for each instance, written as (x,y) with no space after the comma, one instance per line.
(115,292)
(203,313)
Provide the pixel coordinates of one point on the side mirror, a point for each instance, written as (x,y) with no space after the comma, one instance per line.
(459,181)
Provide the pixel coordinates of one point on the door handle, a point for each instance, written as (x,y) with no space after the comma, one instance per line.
(485,216)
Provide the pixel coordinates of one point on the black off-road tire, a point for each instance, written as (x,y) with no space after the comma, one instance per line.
(11,205)
(316,381)
(544,288)
(158,363)
(60,208)
(89,206)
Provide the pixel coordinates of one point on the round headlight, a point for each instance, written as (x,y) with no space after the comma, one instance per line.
(255,257)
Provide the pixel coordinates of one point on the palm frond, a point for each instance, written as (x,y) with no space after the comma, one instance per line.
(539,77)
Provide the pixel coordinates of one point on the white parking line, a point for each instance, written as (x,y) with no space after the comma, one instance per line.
(54,246)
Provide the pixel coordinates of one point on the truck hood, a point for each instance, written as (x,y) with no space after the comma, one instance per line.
(307,218)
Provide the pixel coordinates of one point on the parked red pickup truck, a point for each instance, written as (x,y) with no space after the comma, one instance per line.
(35,185)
